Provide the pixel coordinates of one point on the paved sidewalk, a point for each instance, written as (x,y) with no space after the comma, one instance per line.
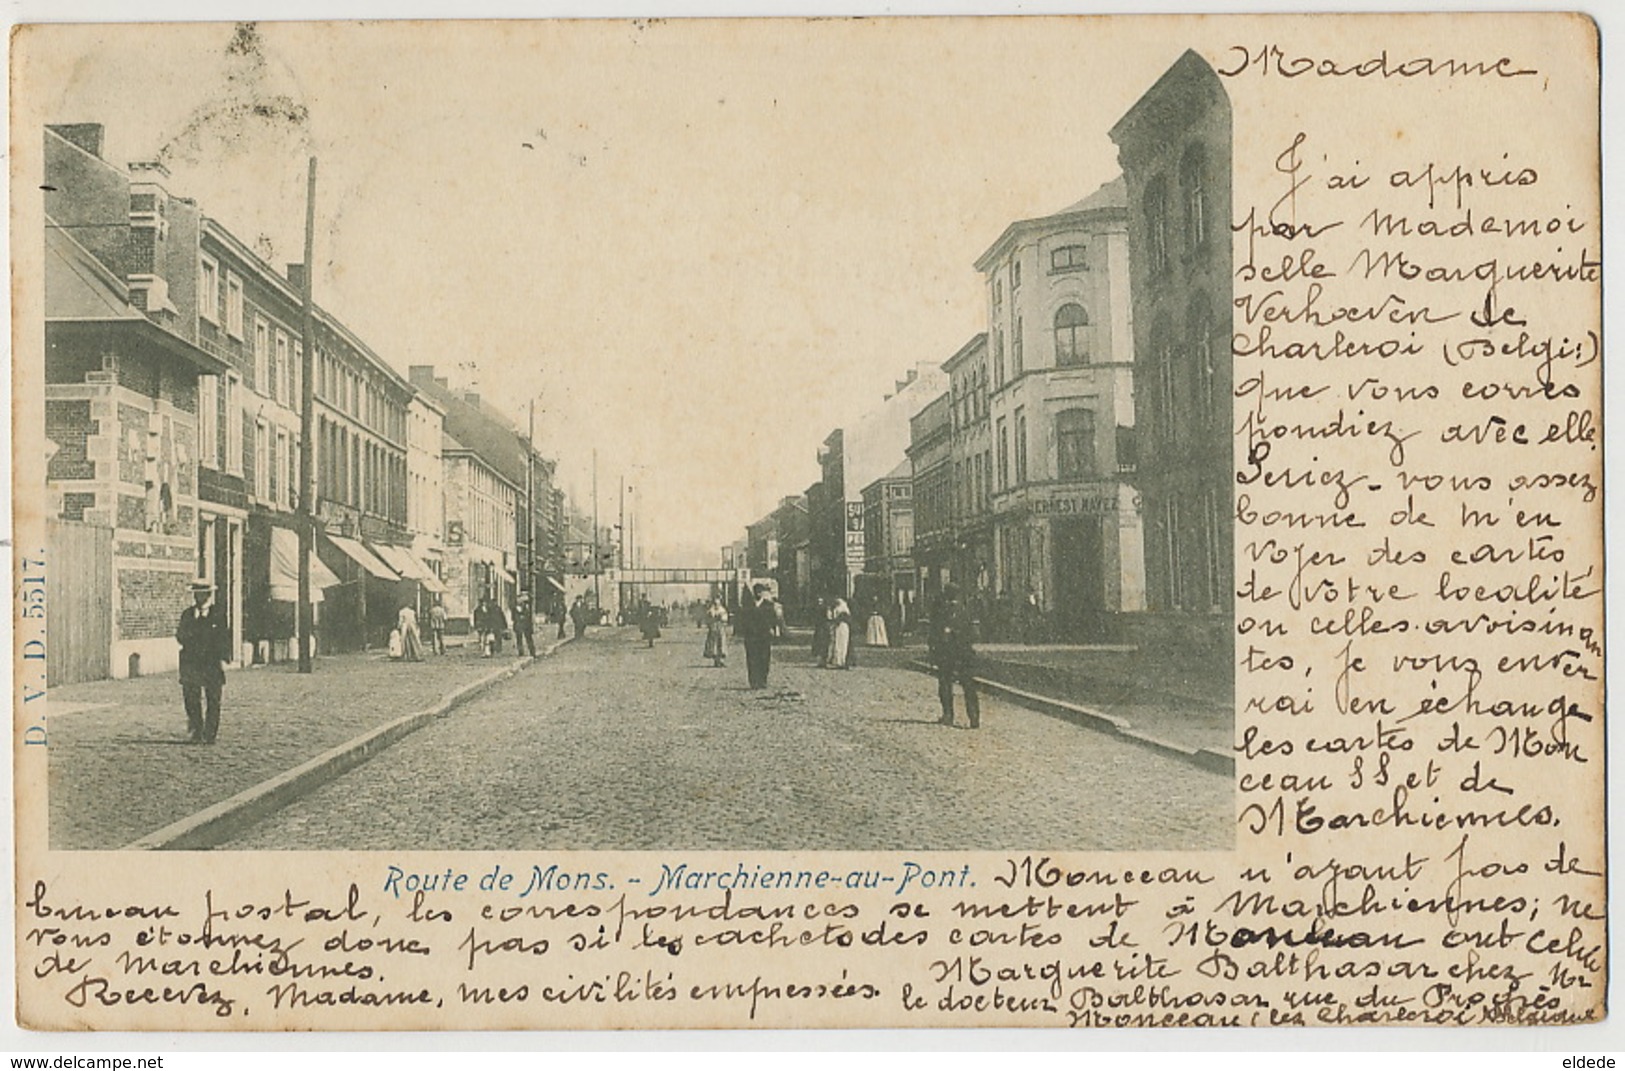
(1185,702)
(120,767)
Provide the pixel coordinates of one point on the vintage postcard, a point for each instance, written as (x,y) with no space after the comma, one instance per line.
(764,523)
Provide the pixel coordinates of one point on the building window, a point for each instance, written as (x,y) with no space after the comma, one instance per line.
(1004,454)
(277,482)
(279,370)
(1166,377)
(1021,446)
(1015,277)
(262,462)
(998,295)
(1068,258)
(1016,363)
(1193,186)
(1071,336)
(998,359)
(987,483)
(296,376)
(234,425)
(1216,552)
(1075,444)
(1156,227)
(208,421)
(262,356)
(1202,356)
(1176,578)
(1128,452)
(234,306)
(208,290)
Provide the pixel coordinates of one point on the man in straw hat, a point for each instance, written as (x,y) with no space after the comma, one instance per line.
(204,641)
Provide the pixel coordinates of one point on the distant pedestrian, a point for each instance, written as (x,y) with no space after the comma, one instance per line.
(759,624)
(953,653)
(876,635)
(820,640)
(716,633)
(524,627)
(649,624)
(437,627)
(840,635)
(578,617)
(406,623)
(205,643)
(489,623)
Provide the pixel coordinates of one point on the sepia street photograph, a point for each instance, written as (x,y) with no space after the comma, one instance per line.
(616,435)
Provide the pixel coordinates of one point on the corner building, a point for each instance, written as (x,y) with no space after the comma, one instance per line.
(1067,532)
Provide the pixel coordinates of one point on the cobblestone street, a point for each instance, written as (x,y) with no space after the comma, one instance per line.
(120,767)
(611,746)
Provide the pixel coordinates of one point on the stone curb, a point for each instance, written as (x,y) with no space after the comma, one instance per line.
(225,819)
(1205,758)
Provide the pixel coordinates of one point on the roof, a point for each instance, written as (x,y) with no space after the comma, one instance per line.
(1110,198)
(977,341)
(82,294)
(473,428)
(78,286)
(1175,100)
(1113,194)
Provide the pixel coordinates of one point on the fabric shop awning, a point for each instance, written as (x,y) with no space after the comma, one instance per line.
(285,569)
(409,566)
(363,557)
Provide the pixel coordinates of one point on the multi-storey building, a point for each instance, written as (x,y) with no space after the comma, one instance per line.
(482,552)
(888,581)
(539,547)
(122,367)
(793,574)
(970,470)
(249,441)
(1061,403)
(1174,146)
(425,491)
(930,457)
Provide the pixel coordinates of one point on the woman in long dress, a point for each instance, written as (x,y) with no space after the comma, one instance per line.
(877,636)
(716,633)
(411,644)
(840,634)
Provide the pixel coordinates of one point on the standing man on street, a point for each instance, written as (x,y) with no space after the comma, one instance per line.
(578,617)
(205,647)
(524,627)
(758,625)
(953,652)
(437,627)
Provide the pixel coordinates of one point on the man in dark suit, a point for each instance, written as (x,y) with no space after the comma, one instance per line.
(205,647)
(759,623)
(953,652)
(524,627)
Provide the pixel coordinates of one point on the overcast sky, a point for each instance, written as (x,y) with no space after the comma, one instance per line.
(702,246)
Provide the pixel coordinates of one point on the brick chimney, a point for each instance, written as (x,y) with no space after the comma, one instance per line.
(421,374)
(88,136)
(145,170)
(472,397)
(296,276)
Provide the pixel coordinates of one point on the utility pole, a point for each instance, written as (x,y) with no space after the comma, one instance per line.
(597,568)
(530,503)
(307,402)
(620,549)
